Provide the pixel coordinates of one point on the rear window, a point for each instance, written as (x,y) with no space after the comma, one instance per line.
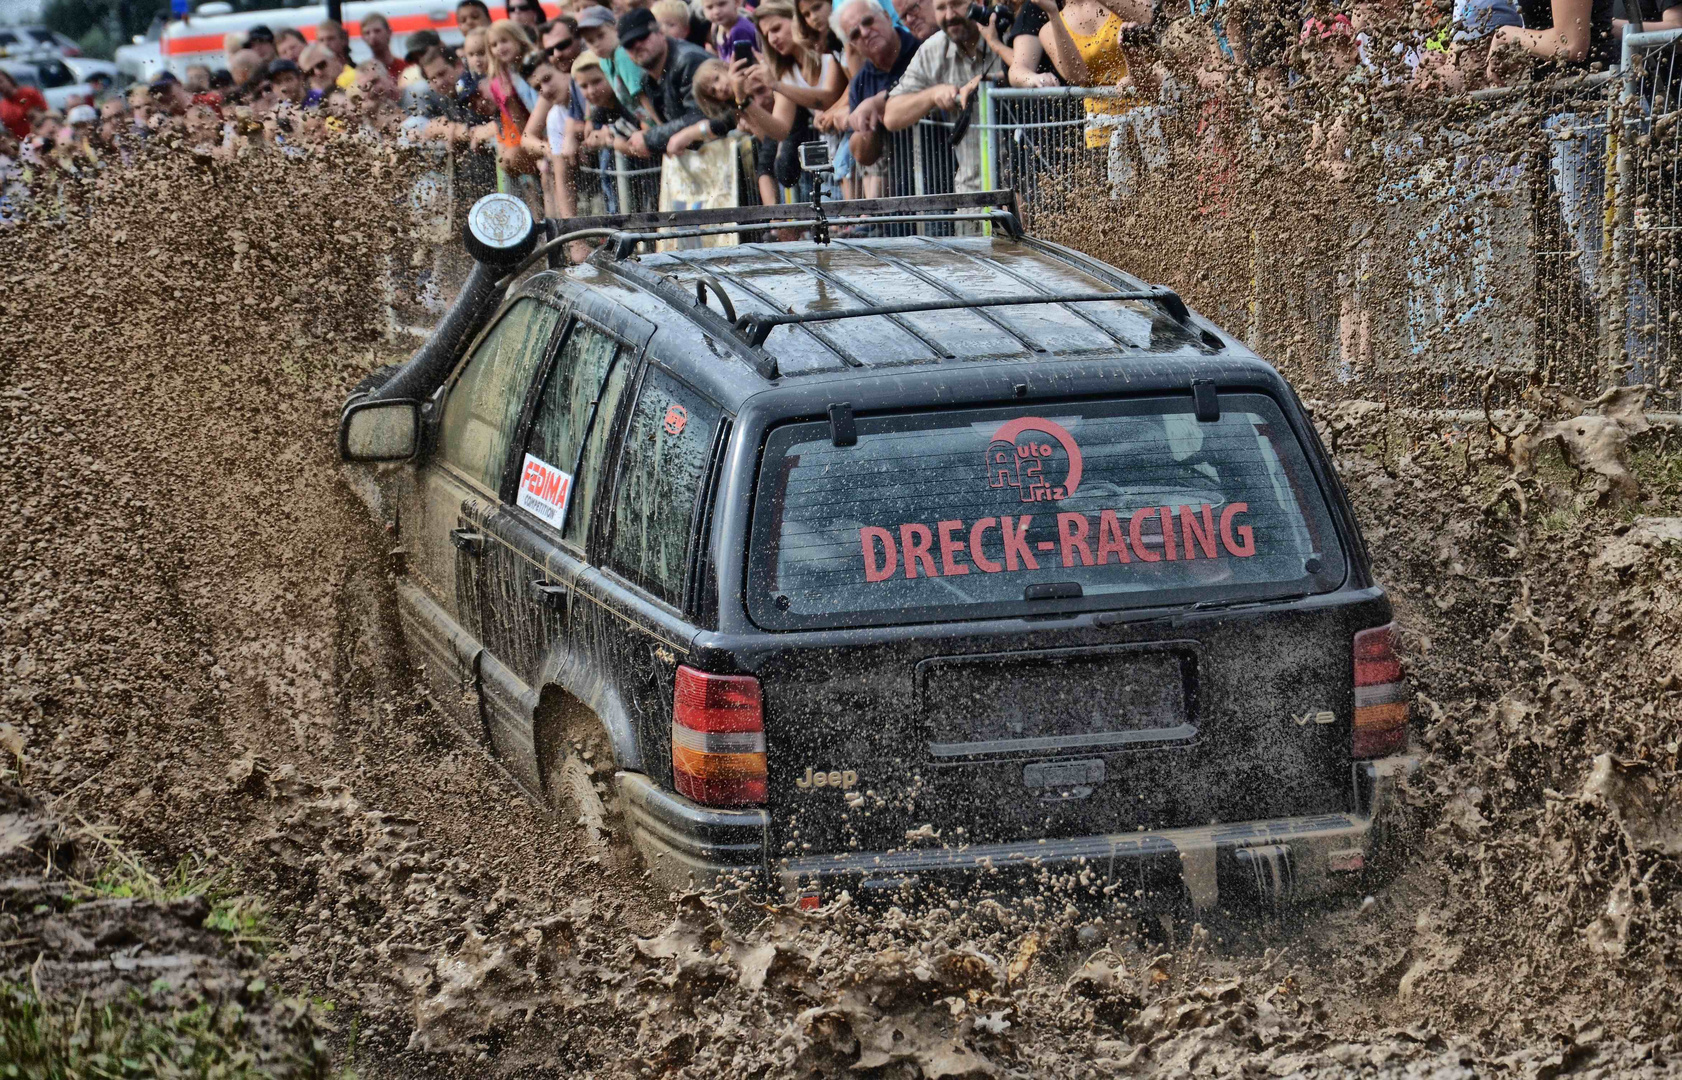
(974,513)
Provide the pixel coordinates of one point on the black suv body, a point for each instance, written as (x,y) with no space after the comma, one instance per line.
(984,588)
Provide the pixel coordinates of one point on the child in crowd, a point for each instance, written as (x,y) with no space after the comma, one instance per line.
(507,42)
(477,52)
(680,23)
(729,27)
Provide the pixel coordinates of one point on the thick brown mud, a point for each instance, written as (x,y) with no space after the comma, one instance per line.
(200,651)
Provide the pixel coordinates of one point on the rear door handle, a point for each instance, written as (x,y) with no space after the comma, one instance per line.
(549,593)
(469,541)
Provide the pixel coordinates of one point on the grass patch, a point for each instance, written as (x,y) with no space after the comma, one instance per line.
(40,1041)
(243,918)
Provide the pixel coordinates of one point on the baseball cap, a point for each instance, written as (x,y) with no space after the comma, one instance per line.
(635,25)
(277,67)
(592,17)
(259,33)
(586,59)
(81,114)
(418,42)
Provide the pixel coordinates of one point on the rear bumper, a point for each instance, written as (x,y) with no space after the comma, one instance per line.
(691,846)
(1233,865)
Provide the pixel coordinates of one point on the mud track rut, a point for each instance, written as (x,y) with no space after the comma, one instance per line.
(200,650)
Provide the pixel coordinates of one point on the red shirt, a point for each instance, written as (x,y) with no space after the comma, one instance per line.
(395,66)
(15,110)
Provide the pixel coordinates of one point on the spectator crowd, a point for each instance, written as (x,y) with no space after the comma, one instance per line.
(563,102)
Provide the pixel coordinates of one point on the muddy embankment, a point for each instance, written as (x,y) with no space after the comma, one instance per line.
(200,656)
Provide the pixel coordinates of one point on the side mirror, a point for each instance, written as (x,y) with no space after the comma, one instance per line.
(380,430)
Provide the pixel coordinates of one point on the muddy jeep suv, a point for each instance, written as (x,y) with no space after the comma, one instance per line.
(874,563)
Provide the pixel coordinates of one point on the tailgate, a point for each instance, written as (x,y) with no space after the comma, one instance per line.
(1010,520)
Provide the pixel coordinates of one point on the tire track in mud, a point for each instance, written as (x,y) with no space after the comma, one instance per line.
(199,648)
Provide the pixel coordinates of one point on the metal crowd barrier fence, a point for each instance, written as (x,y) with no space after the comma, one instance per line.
(628,186)
(1054,145)
(1645,231)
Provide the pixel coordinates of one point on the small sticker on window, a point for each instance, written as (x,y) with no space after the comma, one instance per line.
(676,417)
(544,489)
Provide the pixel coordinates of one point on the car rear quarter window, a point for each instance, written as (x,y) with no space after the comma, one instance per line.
(55,73)
(484,403)
(668,444)
(568,407)
(971,513)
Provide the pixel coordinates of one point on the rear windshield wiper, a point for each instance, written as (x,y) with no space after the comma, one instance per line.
(1112,618)
(1212,605)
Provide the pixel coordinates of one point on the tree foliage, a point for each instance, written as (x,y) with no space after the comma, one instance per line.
(92,22)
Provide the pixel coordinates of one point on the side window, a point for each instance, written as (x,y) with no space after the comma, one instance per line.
(484,404)
(592,471)
(667,446)
(564,412)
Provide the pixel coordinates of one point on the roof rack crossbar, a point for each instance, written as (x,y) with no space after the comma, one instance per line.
(846,358)
(793,212)
(1025,282)
(949,290)
(623,244)
(661,285)
(857,294)
(756,328)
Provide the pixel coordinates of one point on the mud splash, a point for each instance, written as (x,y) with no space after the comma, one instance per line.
(200,649)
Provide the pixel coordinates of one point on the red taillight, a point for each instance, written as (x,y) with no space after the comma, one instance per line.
(1381,696)
(718,738)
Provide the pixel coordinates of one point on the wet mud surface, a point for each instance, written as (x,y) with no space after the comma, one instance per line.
(200,653)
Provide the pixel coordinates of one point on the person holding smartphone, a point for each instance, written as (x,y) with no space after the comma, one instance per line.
(731,30)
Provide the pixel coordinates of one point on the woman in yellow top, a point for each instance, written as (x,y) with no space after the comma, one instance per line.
(1098,29)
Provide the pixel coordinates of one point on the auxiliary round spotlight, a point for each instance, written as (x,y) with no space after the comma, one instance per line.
(500,230)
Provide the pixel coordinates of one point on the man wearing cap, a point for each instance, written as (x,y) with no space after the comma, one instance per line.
(260,40)
(288,81)
(168,95)
(669,76)
(600,31)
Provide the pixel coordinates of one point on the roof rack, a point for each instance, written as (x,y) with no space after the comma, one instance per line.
(756,328)
(626,231)
(787,215)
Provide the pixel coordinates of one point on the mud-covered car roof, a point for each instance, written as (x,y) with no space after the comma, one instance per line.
(803,278)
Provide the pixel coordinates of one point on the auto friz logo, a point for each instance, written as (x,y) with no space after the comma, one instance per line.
(1036,457)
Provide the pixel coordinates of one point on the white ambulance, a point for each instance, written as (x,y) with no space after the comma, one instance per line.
(201,37)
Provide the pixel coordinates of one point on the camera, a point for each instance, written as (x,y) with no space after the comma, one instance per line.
(740,51)
(814,157)
(1000,15)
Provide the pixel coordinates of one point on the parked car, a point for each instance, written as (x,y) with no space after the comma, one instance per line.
(86,69)
(28,42)
(893,563)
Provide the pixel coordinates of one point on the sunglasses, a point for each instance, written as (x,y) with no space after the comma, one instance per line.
(562,46)
(322,66)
